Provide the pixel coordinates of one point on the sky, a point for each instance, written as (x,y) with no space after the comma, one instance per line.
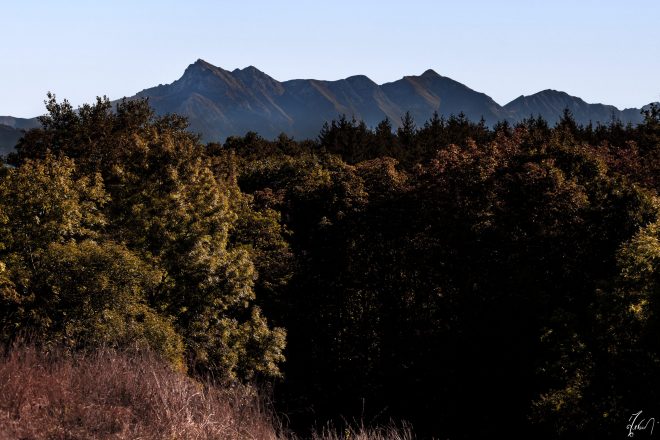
(602,51)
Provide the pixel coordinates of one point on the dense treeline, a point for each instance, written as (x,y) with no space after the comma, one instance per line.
(471,280)
(116,228)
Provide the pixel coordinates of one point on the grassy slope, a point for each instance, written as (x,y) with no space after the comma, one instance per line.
(111,395)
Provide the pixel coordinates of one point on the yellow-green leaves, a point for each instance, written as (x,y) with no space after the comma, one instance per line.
(639,261)
(44,202)
(97,294)
(121,236)
(640,258)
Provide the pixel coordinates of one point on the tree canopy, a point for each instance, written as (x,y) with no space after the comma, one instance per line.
(448,273)
(120,232)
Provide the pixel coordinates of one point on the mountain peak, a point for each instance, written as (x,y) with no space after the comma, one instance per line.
(361,79)
(201,63)
(550,105)
(559,96)
(220,102)
(199,66)
(255,79)
(549,92)
(430,73)
(250,71)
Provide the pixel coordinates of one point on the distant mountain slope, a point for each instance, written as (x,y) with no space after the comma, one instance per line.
(220,103)
(310,103)
(429,92)
(9,136)
(11,130)
(19,123)
(550,104)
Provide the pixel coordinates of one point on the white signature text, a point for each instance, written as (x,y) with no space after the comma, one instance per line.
(637,423)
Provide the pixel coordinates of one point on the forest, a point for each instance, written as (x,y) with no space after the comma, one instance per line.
(471,281)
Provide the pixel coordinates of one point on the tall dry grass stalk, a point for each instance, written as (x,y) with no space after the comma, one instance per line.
(389,432)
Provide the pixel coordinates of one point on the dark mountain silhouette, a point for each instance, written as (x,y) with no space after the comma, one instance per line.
(11,130)
(550,105)
(19,123)
(429,92)
(9,137)
(220,103)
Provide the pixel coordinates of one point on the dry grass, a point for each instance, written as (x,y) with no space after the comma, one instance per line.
(390,432)
(117,395)
(110,395)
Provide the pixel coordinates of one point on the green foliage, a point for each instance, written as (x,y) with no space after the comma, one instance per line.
(640,261)
(447,274)
(120,234)
(45,203)
(437,284)
(94,294)
(57,281)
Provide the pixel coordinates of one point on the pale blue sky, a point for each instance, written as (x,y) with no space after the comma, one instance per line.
(603,51)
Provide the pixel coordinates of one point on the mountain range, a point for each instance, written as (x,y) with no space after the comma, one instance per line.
(220,103)
(11,130)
